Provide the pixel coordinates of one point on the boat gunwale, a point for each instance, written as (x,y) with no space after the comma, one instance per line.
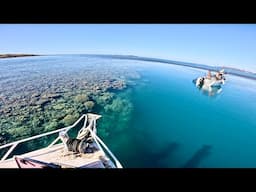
(98,141)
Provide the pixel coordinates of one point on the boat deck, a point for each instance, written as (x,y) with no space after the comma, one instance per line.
(58,155)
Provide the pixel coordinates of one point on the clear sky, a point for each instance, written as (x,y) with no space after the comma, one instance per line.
(213,44)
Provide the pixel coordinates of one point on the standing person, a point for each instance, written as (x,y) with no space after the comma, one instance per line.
(209,75)
(218,76)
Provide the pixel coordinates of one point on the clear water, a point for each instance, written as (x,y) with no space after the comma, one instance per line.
(172,123)
(176,125)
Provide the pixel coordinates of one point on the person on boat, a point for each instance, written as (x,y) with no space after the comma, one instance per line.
(209,75)
(218,76)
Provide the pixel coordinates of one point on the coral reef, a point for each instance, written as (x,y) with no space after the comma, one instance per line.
(46,98)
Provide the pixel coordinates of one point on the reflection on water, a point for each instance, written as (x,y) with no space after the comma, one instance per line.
(209,90)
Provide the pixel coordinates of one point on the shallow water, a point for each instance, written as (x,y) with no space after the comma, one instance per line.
(161,119)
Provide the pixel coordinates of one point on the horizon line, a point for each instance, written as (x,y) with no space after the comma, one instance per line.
(144,58)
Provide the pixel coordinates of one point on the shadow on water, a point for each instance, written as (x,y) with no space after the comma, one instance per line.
(197,158)
(164,153)
(156,159)
(151,155)
(169,148)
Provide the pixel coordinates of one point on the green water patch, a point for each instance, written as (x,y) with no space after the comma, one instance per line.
(116,115)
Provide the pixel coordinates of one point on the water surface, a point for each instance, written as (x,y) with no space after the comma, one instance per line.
(159,119)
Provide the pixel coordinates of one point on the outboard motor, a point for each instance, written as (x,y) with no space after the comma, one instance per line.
(200,82)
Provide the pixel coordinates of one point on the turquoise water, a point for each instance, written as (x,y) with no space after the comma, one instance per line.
(176,125)
(164,121)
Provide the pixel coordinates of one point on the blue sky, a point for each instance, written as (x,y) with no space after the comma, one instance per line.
(213,44)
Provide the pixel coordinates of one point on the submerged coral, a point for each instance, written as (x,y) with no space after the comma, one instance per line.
(50,99)
(89,105)
(117,115)
(70,119)
(81,98)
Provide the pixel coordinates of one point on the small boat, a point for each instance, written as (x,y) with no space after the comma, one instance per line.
(211,84)
(87,150)
(211,80)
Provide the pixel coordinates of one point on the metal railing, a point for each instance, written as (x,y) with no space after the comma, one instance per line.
(101,143)
(98,141)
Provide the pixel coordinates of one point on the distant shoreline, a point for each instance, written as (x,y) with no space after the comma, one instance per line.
(228,70)
(2,56)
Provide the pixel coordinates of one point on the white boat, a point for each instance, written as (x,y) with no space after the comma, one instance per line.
(211,81)
(58,153)
(211,84)
(204,82)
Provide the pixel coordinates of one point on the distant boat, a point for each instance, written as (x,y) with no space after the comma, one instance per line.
(210,81)
(87,150)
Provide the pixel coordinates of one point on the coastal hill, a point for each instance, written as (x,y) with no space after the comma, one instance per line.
(15,55)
